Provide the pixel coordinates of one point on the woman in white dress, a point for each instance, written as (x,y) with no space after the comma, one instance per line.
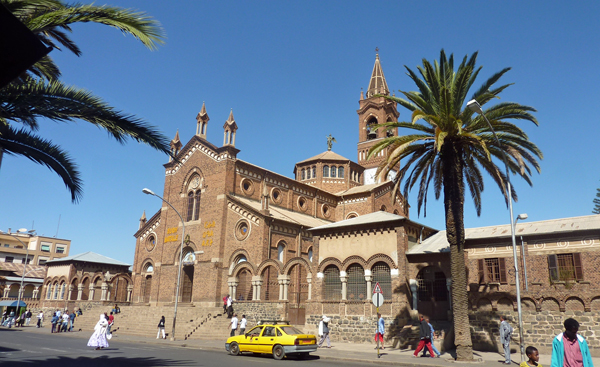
(98,338)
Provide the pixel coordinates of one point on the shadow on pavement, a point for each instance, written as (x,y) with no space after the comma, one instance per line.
(100,361)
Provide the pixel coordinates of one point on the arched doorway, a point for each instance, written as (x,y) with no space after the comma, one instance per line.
(75,290)
(270,286)
(119,289)
(297,295)
(147,288)
(243,291)
(432,297)
(187,275)
(86,289)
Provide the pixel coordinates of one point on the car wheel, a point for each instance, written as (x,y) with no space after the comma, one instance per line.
(278,352)
(234,349)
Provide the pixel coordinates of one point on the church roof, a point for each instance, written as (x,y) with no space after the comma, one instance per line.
(326,155)
(33,271)
(371,218)
(377,84)
(283,214)
(438,243)
(90,257)
(361,189)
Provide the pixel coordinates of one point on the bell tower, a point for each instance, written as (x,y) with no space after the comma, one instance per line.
(374,109)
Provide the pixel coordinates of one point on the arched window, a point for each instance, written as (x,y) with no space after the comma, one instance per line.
(333,171)
(381,275)
(240,259)
(244,288)
(197,205)
(55,291)
(357,284)
(308,173)
(270,287)
(325,171)
(314,172)
(303,174)
(310,254)
(62,291)
(49,291)
(190,206)
(332,289)
(383,208)
(340,172)
(280,251)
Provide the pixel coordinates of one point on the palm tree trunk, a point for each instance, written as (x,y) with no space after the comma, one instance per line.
(454,197)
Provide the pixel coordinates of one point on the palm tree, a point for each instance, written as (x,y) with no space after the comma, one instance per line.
(39,93)
(451,147)
(596,209)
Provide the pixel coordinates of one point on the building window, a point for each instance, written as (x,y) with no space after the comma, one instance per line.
(242,230)
(276,195)
(9,259)
(6,245)
(55,291)
(310,254)
(190,207)
(357,285)
(197,205)
(60,250)
(565,267)
(314,172)
(45,248)
(23,261)
(381,274)
(302,204)
(303,174)
(492,270)
(280,252)
(325,171)
(340,172)
(62,291)
(333,171)
(332,290)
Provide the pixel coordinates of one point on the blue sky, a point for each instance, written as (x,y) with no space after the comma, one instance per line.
(292,72)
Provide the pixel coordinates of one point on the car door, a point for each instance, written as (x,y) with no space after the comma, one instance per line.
(251,340)
(267,339)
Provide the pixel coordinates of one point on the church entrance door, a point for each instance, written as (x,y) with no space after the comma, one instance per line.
(188,284)
(433,293)
(147,288)
(298,294)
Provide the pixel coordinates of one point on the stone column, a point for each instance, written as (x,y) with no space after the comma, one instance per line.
(414,290)
(7,290)
(284,281)
(286,284)
(232,282)
(309,281)
(256,283)
(92,291)
(344,279)
(129,291)
(369,279)
(36,292)
(79,291)
(104,290)
(71,287)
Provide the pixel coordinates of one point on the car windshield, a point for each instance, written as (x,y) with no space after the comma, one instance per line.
(290,330)
(255,331)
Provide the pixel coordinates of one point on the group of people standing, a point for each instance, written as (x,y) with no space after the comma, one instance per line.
(61,321)
(11,320)
(233,325)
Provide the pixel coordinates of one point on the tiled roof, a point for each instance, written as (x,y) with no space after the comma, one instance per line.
(90,257)
(438,242)
(33,271)
(327,155)
(361,189)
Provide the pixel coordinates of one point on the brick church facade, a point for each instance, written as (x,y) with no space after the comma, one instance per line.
(297,248)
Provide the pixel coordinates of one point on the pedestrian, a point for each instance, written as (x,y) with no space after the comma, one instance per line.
(225,303)
(433,337)
(161,327)
(533,355)
(71,320)
(40,318)
(569,348)
(229,306)
(380,331)
(54,321)
(505,334)
(58,313)
(65,321)
(98,338)
(243,323)
(233,325)
(111,321)
(425,336)
(27,317)
(324,331)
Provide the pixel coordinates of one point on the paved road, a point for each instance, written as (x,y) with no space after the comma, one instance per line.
(27,349)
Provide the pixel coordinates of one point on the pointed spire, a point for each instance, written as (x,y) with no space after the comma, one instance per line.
(202,122)
(231,119)
(230,128)
(143,219)
(377,85)
(362,94)
(176,144)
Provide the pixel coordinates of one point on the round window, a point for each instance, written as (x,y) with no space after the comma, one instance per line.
(242,230)
(247,186)
(326,210)
(276,195)
(150,243)
(302,203)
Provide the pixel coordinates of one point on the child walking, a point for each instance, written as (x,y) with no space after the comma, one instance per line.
(533,355)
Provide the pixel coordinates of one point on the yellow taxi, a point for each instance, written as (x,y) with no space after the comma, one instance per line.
(273,337)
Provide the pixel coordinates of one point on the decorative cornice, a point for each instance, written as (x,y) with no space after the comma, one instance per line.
(243,212)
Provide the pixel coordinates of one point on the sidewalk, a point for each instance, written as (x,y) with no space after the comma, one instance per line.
(354,353)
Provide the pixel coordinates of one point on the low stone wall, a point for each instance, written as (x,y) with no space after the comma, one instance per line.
(255,311)
(539,328)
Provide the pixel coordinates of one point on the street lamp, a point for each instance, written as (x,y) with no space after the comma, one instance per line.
(474,106)
(149,192)
(30,234)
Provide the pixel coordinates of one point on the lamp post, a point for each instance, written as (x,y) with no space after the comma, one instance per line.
(149,192)
(474,106)
(30,234)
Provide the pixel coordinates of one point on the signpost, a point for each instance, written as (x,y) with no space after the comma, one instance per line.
(377,301)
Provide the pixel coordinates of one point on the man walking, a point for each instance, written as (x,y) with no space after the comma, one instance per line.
(243,323)
(71,320)
(324,331)
(570,349)
(425,335)
(27,317)
(437,352)
(233,325)
(40,318)
(380,331)
(505,334)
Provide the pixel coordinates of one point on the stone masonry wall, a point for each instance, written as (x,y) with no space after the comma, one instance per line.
(255,311)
